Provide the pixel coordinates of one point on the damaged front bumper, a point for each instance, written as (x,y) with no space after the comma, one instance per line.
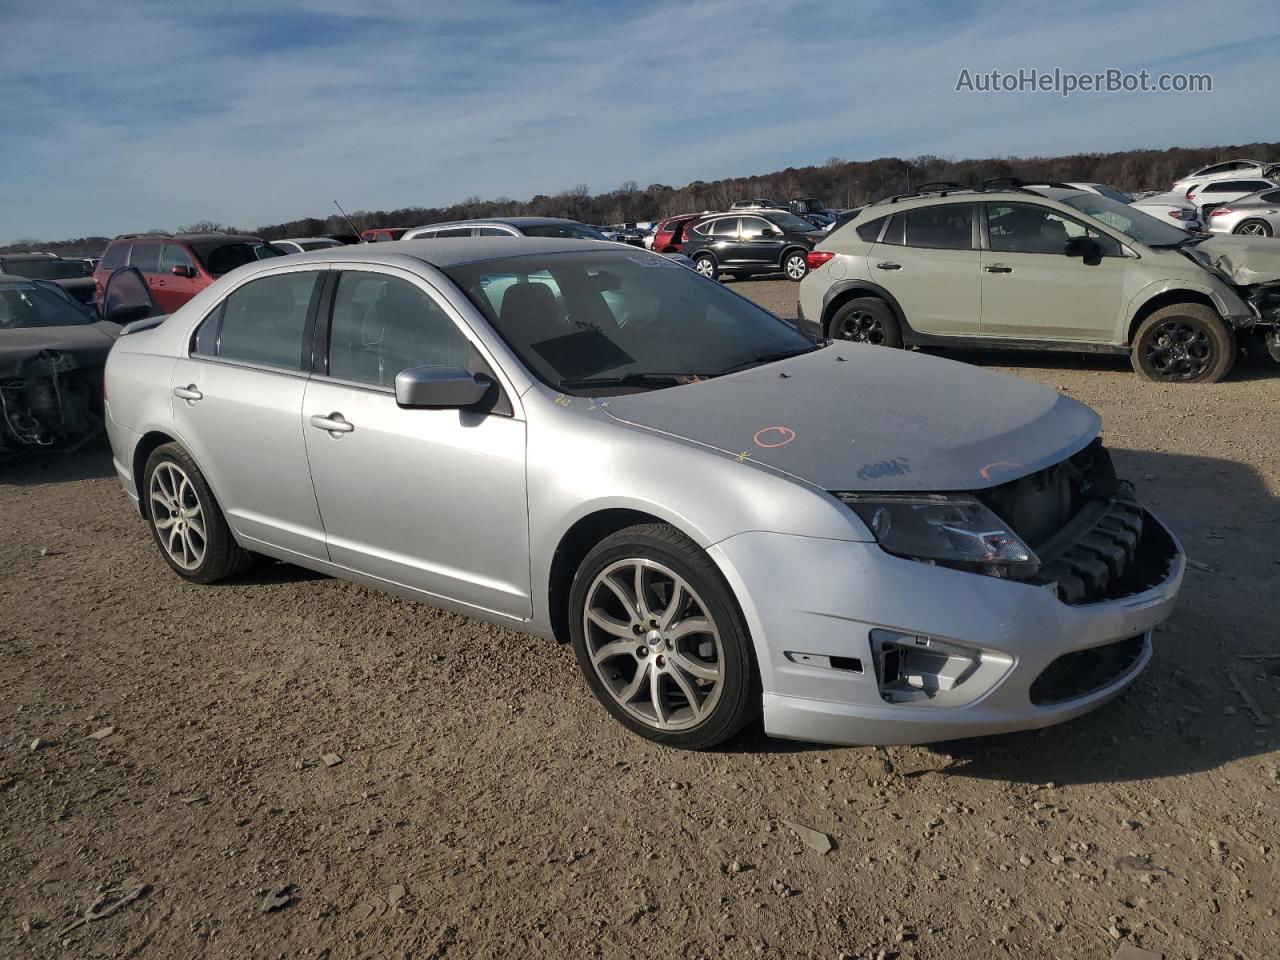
(856,646)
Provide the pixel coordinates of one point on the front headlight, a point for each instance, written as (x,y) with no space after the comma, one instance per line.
(952,531)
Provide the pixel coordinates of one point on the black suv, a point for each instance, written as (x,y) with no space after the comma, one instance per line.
(761,241)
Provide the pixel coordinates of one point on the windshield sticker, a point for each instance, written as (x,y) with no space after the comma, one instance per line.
(770,437)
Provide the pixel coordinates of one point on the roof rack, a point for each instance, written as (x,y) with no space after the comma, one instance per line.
(131,236)
(940,187)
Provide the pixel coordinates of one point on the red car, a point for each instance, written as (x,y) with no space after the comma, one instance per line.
(178,266)
(669,237)
(382,234)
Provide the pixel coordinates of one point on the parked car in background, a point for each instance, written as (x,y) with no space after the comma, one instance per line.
(623,233)
(1171,208)
(178,266)
(1215,193)
(705,563)
(75,276)
(1043,268)
(304,244)
(668,235)
(382,234)
(764,241)
(507,227)
(757,204)
(1226,170)
(1257,215)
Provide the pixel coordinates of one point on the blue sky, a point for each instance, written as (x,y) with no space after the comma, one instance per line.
(162,113)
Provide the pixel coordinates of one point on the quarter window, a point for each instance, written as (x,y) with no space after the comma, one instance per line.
(382,325)
(263,321)
(492,232)
(724,227)
(455,232)
(947,226)
(146,257)
(870,231)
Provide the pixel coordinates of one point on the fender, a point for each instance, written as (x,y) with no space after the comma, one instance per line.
(838,289)
(1231,307)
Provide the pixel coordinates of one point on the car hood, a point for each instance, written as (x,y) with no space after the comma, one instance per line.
(87,343)
(853,417)
(1246,260)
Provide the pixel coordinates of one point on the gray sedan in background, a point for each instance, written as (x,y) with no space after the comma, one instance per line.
(1257,215)
(587,442)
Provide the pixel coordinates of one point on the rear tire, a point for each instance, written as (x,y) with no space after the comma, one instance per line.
(185,520)
(1183,343)
(866,320)
(676,667)
(706,266)
(1253,228)
(795,265)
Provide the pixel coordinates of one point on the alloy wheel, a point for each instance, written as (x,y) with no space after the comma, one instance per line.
(861,326)
(177,515)
(796,267)
(1178,350)
(653,644)
(705,266)
(1253,228)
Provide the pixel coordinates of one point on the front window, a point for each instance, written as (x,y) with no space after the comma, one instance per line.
(564,231)
(575,318)
(1031,228)
(1112,194)
(28,305)
(50,269)
(1131,222)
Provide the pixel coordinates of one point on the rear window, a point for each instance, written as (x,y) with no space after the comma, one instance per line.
(146,257)
(455,232)
(947,226)
(48,269)
(117,256)
(567,231)
(261,322)
(219,256)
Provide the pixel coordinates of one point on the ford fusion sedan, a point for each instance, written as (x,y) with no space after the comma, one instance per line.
(587,442)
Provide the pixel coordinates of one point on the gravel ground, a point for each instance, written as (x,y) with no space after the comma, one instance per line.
(400,782)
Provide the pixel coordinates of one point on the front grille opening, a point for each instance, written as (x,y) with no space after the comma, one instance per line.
(1078,674)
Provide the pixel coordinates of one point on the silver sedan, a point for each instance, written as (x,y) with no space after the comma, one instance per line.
(1257,215)
(593,444)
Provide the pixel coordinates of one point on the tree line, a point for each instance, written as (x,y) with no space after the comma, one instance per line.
(839,182)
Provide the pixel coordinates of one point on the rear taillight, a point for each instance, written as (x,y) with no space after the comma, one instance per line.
(1220,211)
(816,258)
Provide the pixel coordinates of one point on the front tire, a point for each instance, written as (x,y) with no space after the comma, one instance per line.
(866,320)
(1183,343)
(1253,228)
(706,266)
(660,639)
(795,266)
(185,520)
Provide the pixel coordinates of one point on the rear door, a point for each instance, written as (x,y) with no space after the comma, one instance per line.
(237,407)
(929,260)
(145,256)
(725,240)
(433,500)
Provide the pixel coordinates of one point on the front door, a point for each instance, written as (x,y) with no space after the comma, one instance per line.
(1031,290)
(171,290)
(430,499)
(761,242)
(237,407)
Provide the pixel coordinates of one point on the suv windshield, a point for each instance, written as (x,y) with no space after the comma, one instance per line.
(48,269)
(1133,223)
(566,231)
(579,320)
(791,223)
(219,256)
(27,305)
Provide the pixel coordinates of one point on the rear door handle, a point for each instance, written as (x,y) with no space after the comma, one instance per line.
(333,423)
(188,393)
(998,268)
(888,266)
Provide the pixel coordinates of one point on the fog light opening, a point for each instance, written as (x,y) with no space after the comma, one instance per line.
(914,667)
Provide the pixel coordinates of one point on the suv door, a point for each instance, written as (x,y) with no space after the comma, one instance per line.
(760,242)
(429,499)
(237,407)
(929,260)
(1032,290)
(171,290)
(722,238)
(145,256)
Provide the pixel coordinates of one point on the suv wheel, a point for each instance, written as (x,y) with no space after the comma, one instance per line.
(705,264)
(1183,343)
(1253,228)
(660,639)
(866,320)
(795,266)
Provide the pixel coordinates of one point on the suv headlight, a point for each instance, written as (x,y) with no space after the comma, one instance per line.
(952,531)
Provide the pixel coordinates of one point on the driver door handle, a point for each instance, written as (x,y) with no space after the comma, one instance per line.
(888,266)
(333,423)
(188,393)
(998,268)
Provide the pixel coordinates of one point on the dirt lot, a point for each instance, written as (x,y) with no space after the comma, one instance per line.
(485,806)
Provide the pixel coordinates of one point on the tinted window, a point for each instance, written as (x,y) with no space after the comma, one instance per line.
(893,233)
(319,244)
(455,232)
(174,256)
(146,257)
(27,305)
(724,227)
(117,256)
(754,226)
(870,231)
(948,226)
(382,325)
(492,232)
(1030,228)
(569,231)
(263,321)
(50,269)
(220,257)
(791,223)
(1272,197)
(206,339)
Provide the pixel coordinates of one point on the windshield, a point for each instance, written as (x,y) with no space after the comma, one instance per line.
(220,257)
(573,317)
(566,231)
(48,269)
(1112,193)
(1129,221)
(27,305)
(791,223)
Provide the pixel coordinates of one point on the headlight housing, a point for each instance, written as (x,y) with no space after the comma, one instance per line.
(955,531)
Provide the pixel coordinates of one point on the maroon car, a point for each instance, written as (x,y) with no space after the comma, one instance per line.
(669,237)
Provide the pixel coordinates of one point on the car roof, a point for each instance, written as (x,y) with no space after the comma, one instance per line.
(190,237)
(306,239)
(30,255)
(451,251)
(509,221)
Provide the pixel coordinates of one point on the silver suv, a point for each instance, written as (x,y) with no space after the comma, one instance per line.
(1048,268)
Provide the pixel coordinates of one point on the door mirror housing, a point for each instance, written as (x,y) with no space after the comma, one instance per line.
(182,270)
(1086,248)
(440,388)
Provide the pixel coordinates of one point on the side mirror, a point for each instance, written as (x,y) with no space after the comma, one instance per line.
(1086,248)
(183,271)
(440,388)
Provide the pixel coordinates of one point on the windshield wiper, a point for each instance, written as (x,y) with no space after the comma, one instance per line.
(633,379)
(769,358)
(1177,244)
